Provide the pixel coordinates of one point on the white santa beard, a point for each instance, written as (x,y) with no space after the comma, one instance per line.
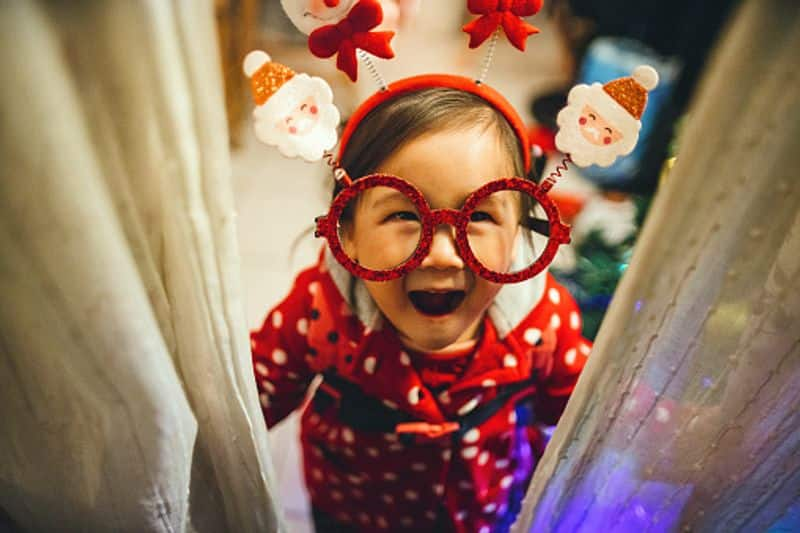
(570,140)
(310,146)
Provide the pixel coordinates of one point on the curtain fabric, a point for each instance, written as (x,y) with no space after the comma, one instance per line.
(126,394)
(686,417)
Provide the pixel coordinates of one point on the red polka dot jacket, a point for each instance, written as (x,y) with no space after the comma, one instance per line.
(466,481)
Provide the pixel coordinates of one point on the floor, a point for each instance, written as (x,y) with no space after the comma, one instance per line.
(277,199)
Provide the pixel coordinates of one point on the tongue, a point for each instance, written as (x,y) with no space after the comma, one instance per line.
(436,303)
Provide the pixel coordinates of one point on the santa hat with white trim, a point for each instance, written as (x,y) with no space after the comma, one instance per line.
(622,101)
(266,76)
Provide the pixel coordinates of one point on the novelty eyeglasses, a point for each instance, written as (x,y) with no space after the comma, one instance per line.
(380,227)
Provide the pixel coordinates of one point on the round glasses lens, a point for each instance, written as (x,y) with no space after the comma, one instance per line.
(507,231)
(380,228)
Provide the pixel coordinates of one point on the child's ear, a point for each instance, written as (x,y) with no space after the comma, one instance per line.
(348,240)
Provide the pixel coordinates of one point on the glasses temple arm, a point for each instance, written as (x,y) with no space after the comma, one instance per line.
(539,225)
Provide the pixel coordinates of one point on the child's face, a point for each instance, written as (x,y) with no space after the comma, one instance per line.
(442,301)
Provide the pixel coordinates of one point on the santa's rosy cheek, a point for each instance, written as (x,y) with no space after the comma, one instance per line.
(606,140)
(582,121)
(314,110)
(292,130)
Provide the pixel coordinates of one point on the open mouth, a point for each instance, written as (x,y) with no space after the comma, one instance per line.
(436,303)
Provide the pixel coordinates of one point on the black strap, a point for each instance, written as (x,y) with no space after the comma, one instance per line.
(356,409)
(366,413)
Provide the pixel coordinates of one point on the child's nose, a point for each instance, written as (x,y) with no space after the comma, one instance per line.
(444,252)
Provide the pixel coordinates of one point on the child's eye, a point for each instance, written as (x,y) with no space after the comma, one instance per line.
(480,216)
(403,215)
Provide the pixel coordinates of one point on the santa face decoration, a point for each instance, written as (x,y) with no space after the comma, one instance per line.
(295,112)
(601,122)
(308,15)
(595,129)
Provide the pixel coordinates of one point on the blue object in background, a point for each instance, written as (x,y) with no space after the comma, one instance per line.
(609,58)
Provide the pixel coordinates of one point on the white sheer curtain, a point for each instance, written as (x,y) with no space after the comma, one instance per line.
(686,418)
(126,397)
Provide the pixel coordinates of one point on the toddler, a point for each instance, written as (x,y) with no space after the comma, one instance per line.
(437,379)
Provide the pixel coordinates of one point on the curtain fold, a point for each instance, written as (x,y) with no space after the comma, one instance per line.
(686,417)
(125,384)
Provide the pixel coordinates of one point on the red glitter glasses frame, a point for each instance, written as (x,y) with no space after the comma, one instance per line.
(326,226)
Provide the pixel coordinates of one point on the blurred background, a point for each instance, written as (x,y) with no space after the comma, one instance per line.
(581,41)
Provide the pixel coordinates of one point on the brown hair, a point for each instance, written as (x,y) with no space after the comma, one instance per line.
(403,119)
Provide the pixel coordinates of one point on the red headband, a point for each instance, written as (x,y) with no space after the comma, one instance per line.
(432,81)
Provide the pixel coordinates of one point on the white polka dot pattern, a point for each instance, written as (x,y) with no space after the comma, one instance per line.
(413,395)
(574,320)
(532,336)
(554,296)
(472,436)
(482,475)
(279,356)
(469,406)
(390,404)
(469,452)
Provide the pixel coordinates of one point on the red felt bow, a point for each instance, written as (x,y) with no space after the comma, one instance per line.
(505,13)
(351,33)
